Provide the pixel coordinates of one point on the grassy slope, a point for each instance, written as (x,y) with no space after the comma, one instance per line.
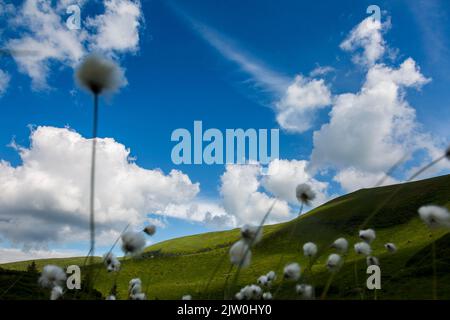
(184,265)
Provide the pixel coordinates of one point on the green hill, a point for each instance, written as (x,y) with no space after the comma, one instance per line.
(182,266)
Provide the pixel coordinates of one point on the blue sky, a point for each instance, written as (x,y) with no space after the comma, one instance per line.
(228,64)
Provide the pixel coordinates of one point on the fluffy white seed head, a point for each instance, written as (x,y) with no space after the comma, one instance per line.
(133,242)
(99,75)
(334,262)
(363,248)
(52,276)
(310,249)
(306,291)
(390,247)
(111,297)
(292,271)
(111,262)
(340,245)
(150,230)
(367,235)
(267,296)
(240,254)
(134,285)
(435,216)
(271,275)
(251,234)
(304,193)
(263,280)
(239,295)
(372,261)
(57,293)
(186,297)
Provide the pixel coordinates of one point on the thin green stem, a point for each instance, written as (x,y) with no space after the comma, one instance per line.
(433,251)
(327,286)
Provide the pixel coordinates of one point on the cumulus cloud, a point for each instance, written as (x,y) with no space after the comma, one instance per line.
(118,28)
(4,81)
(367,36)
(242,197)
(283,176)
(47,39)
(297,107)
(46,197)
(374,128)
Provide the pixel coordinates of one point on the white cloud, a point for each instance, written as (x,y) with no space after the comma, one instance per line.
(283,176)
(242,198)
(296,109)
(320,71)
(118,28)
(374,128)
(368,36)
(13,254)
(46,197)
(4,81)
(46,39)
(351,179)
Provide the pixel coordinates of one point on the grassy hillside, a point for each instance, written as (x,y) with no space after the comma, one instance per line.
(181,266)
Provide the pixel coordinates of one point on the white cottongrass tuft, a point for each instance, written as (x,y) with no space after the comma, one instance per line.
(271,276)
(186,297)
(57,293)
(240,254)
(111,262)
(111,297)
(150,230)
(135,290)
(52,276)
(363,248)
(310,249)
(239,295)
(372,261)
(292,271)
(251,234)
(334,262)
(435,216)
(267,296)
(99,75)
(306,291)
(390,247)
(263,280)
(304,193)
(367,235)
(340,245)
(133,242)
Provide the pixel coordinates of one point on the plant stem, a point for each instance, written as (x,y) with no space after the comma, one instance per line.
(327,286)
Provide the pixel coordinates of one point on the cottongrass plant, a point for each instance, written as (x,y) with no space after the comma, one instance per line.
(186,297)
(135,290)
(111,262)
(334,263)
(391,247)
(250,292)
(304,195)
(97,75)
(267,296)
(53,277)
(434,217)
(367,235)
(341,245)
(133,243)
(305,291)
(57,293)
(111,297)
(292,272)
